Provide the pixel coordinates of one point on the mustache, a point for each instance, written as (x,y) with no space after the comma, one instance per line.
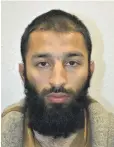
(57,89)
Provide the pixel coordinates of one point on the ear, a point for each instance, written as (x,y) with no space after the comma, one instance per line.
(92,67)
(21,71)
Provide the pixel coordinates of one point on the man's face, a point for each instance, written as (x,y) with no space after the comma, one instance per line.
(56,59)
(57,76)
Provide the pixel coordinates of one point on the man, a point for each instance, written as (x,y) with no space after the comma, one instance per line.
(56,71)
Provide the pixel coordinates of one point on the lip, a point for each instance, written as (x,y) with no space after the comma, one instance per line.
(57,97)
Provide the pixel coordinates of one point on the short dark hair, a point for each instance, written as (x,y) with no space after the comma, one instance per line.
(59,21)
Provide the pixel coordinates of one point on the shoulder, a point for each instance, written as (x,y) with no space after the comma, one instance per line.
(96,106)
(14,107)
(96,109)
(12,113)
(12,125)
(102,122)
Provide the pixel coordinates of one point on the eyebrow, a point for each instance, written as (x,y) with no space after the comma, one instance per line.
(42,55)
(74,54)
(66,55)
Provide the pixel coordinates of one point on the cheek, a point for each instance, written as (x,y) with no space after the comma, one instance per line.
(37,79)
(77,79)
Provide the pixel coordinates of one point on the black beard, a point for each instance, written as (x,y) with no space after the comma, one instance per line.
(56,121)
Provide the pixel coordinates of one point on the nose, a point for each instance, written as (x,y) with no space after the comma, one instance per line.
(58,77)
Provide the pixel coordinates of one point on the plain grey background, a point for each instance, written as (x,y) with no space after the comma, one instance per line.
(98,17)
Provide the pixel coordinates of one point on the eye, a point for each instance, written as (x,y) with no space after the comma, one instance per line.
(43,64)
(71,63)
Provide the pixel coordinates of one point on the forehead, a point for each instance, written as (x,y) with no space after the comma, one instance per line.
(56,42)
